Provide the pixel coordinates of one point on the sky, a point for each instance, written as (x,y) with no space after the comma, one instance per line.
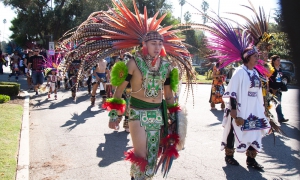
(225,6)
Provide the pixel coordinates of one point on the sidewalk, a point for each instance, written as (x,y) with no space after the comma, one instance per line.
(23,154)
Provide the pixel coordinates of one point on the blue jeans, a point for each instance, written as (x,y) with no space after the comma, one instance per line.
(280,116)
(37,77)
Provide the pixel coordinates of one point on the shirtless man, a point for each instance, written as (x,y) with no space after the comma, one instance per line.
(150,84)
(100,75)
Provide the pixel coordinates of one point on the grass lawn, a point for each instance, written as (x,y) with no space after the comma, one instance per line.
(202,79)
(10,125)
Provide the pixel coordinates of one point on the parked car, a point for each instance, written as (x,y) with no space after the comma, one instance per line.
(288,71)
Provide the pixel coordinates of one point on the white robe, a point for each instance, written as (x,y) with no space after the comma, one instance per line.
(245,87)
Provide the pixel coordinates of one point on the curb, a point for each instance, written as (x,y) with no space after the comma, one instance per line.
(23,156)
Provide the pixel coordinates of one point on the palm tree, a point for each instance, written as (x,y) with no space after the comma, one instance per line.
(204,7)
(181,2)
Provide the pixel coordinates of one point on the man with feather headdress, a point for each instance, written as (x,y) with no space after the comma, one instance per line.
(153,120)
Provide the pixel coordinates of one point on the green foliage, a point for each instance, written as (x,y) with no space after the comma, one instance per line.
(281,43)
(4,98)
(169,20)
(9,88)
(281,46)
(36,20)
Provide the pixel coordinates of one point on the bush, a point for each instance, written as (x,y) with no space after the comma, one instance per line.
(4,98)
(9,88)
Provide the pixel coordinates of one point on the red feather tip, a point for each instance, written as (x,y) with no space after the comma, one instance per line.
(171,138)
(109,106)
(171,151)
(174,109)
(141,162)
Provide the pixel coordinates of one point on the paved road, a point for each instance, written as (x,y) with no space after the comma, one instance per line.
(72,141)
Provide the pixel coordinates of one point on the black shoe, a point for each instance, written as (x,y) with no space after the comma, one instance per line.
(231,160)
(283,120)
(36,93)
(252,162)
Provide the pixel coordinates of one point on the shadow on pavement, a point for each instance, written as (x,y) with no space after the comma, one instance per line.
(69,100)
(284,156)
(113,149)
(56,103)
(78,119)
(239,172)
(219,115)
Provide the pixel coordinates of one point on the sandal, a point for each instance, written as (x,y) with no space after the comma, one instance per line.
(231,160)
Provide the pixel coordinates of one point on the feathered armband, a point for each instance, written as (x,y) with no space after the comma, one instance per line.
(172,108)
(174,79)
(115,104)
(118,73)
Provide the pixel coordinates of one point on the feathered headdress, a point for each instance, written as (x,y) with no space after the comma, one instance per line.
(231,44)
(107,32)
(257,27)
(52,62)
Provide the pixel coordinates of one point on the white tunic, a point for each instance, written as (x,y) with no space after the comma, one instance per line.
(53,81)
(245,87)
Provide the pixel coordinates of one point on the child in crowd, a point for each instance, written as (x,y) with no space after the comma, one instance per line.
(15,70)
(52,83)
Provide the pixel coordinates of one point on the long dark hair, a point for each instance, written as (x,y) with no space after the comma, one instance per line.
(273,58)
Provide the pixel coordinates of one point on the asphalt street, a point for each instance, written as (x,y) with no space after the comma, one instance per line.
(71,140)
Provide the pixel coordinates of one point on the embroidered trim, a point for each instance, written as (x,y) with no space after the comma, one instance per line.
(252,94)
(254,123)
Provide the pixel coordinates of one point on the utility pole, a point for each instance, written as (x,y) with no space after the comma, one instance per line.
(4,22)
(219,8)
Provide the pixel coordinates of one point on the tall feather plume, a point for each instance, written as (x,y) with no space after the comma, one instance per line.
(107,32)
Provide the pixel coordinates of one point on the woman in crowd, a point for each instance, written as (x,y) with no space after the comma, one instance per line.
(217,88)
(277,86)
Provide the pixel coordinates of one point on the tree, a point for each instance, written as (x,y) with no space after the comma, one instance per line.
(204,7)
(36,20)
(196,39)
(181,3)
(281,46)
(152,6)
(161,6)
(281,43)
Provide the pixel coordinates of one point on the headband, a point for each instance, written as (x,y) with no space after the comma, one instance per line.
(153,36)
(250,52)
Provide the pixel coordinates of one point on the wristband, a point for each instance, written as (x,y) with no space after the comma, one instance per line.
(173,108)
(113,115)
(115,104)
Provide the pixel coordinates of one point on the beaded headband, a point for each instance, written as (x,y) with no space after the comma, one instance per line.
(153,35)
(250,52)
